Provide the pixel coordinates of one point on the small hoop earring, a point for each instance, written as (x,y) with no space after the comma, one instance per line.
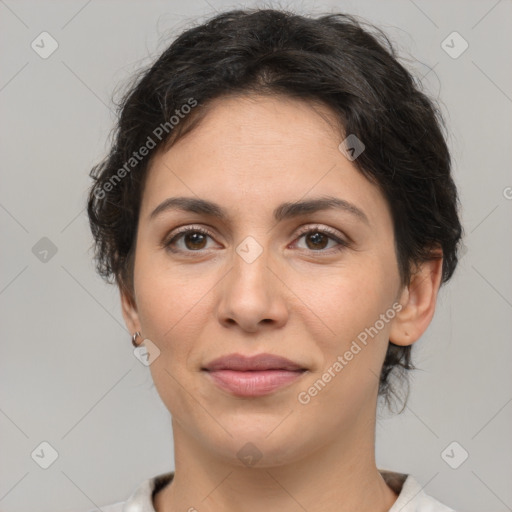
(134,337)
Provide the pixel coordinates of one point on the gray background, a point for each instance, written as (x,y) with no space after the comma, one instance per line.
(68,374)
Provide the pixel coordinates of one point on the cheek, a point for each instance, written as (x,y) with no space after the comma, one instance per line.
(353,308)
(171,299)
(348,298)
(172,309)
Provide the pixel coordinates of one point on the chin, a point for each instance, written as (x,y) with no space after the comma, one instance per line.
(261,445)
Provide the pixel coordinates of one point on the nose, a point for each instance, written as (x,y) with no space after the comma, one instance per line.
(252,296)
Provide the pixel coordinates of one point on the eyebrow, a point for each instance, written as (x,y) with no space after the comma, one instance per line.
(283,211)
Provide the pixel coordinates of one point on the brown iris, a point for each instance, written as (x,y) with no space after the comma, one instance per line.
(195,241)
(317,239)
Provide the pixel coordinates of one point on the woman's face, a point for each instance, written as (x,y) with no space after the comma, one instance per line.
(256,283)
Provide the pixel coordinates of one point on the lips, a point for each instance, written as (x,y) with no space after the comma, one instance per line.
(239,362)
(253,376)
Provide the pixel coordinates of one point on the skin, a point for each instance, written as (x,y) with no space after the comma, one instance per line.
(300,299)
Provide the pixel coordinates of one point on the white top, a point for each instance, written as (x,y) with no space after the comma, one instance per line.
(411,497)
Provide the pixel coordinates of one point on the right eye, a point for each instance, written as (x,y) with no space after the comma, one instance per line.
(192,239)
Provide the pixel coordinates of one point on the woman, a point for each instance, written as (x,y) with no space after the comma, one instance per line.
(278,213)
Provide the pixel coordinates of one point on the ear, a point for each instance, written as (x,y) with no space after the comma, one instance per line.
(129,309)
(418,301)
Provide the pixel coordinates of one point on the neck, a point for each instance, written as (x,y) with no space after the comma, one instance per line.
(337,476)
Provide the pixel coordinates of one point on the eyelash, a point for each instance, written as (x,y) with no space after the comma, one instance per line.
(343,244)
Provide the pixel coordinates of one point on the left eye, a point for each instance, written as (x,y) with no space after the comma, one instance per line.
(317,240)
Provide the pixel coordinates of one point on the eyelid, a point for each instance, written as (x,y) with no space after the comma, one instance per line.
(324,229)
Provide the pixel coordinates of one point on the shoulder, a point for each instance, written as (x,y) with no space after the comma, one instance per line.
(411,496)
(141,500)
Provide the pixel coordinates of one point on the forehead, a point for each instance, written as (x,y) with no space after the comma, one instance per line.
(252,153)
